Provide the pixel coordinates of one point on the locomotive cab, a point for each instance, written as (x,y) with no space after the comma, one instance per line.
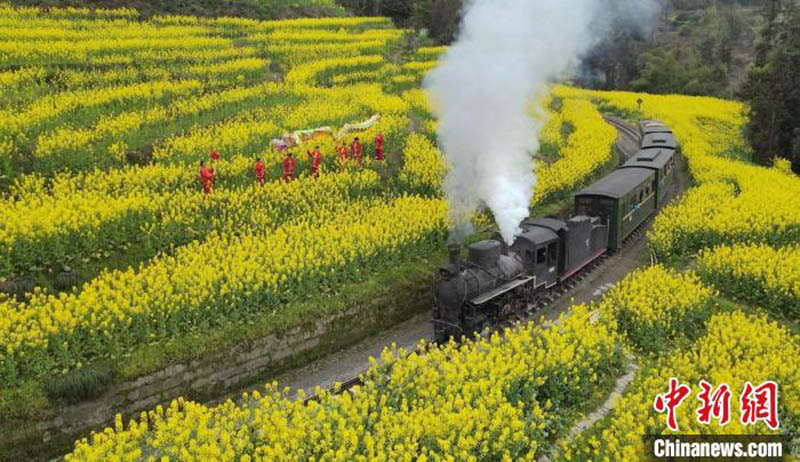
(539,250)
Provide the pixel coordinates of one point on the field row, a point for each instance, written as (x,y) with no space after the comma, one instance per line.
(734,202)
(728,347)
(452,403)
(157,209)
(421,404)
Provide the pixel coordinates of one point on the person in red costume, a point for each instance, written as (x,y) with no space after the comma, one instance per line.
(260,171)
(206,177)
(379,140)
(343,154)
(316,161)
(355,149)
(289,166)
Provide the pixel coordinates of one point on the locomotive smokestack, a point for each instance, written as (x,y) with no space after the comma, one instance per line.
(455,256)
(503,247)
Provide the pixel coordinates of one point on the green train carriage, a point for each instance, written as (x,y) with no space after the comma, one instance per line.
(662,163)
(623,200)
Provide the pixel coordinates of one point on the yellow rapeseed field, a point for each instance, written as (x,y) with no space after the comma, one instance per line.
(106,118)
(453,403)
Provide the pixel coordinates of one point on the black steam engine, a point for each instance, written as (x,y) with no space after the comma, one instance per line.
(497,280)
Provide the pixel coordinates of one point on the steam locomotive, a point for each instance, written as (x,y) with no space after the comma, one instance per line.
(498,280)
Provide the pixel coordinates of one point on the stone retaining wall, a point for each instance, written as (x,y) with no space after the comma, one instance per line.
(203,379)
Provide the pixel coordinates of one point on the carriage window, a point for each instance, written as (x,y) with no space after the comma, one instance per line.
(584,206)
(552,252)
(641,195)
(541,255)
(529,256)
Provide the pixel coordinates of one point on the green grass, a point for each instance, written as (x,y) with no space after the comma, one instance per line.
(80,384)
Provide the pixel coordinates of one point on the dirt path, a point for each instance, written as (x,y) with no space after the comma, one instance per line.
(350,362)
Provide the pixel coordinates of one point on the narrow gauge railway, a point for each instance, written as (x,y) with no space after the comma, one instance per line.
(663,186)
(624,129)
(498,281)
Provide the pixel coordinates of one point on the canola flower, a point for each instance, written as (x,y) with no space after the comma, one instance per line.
(252,248)
(22,86)
(351,24)
(317,72)
(293,47)
(423,166)
(53,231)
(94,50)
(585,151)
(736,348)
(33,117)
(760,274)
(782,165)
(429,53)
(69,14)
(225,276)
(651,318)
(43,30)
(452,403)
(552,133)
(293,54)
(417,101)
(245,133)
(735,202)
(75,148)
(98,115)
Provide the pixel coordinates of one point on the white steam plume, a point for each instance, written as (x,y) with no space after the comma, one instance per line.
(505,54)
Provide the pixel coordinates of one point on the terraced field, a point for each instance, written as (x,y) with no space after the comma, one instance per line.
(110,253)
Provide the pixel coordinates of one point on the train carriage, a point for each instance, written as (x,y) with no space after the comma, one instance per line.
(659,141)
(622,200)
(649,127)
(498,280)
(660,161)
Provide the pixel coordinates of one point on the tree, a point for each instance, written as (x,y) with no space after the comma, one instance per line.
(772,89)
(399,10)
(678,71)
(440,18)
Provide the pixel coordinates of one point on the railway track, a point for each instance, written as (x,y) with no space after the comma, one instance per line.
(623,128)
(560,292)
(628,142)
